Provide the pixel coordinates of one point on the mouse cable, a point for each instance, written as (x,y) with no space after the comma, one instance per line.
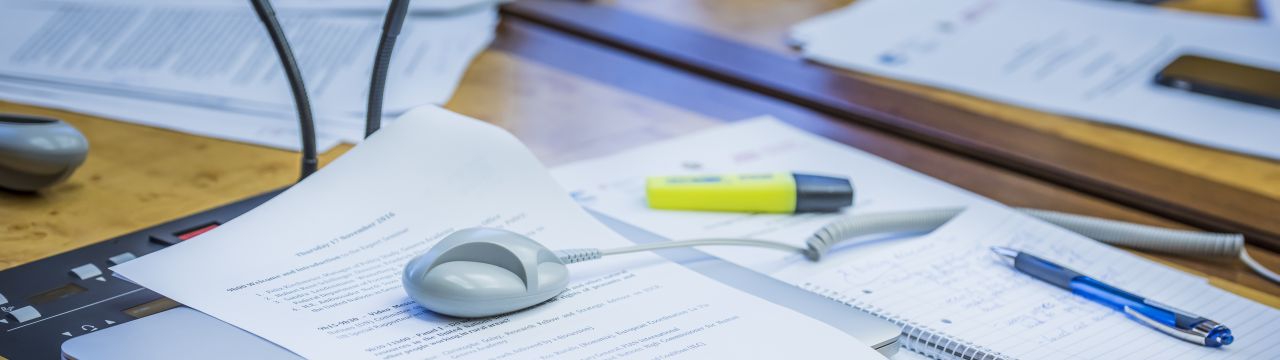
(853,228)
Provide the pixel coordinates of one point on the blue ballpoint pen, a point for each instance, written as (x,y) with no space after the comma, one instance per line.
(1162,317)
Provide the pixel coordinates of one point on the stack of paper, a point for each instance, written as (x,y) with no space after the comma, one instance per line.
(1091,59)
(208,67)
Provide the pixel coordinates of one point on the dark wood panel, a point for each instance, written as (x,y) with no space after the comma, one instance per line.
(1117,177)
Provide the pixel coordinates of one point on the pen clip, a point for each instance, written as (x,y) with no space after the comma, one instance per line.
(1190,335)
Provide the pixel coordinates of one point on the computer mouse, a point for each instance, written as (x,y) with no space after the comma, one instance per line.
(480,272)
(36,152)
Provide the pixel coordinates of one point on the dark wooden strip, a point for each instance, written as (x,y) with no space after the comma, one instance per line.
(1139,184)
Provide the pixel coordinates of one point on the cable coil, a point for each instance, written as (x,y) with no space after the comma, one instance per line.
(854,228)
(1119,233)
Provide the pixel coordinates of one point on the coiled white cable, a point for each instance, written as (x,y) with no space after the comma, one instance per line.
(1258,268)
(855,227)
(1119,233)
(1181,242)
(1144,237)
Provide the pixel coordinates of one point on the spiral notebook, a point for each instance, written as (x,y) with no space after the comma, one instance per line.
(954,299)
(950,294)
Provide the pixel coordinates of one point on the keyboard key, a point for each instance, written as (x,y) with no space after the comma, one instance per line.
(86,271)
(122,258)
(24,314)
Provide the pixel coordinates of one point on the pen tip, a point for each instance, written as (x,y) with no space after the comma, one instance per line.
(1005,252)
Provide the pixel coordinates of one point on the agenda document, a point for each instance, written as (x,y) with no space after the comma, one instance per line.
(317,270)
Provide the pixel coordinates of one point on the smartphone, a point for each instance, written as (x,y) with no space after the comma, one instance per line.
(1222,79)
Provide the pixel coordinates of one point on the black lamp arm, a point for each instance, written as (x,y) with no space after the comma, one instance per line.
(306,123)
(382,61)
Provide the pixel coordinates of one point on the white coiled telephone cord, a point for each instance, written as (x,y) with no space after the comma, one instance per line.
(853,227)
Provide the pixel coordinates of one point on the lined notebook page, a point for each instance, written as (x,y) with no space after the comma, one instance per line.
(950,281)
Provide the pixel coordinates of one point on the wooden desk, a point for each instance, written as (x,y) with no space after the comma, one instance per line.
(742,42)
(565,98)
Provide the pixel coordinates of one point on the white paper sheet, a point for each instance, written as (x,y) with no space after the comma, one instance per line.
(1269,10)
(273,130)
(945,280)
(419,7)
(615,185)
(207,67)
(317,269)
(333,7)
(219,54)
(1089,59)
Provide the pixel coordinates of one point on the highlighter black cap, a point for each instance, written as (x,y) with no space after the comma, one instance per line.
(815,193)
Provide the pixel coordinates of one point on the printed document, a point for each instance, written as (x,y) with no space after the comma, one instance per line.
(1090,59)
(218,54)
(273,130)
(419,7)
(947,280)
(614,185)
(318,269)
(202,62)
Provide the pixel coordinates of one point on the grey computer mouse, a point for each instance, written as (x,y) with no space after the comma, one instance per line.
(480,272)
(36,152)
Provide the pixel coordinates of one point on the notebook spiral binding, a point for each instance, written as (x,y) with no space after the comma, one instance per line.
(916,337)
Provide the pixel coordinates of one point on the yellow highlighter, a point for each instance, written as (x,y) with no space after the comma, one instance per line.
(779,192)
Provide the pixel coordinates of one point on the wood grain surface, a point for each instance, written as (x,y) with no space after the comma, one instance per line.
(743,42)
(565,98)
